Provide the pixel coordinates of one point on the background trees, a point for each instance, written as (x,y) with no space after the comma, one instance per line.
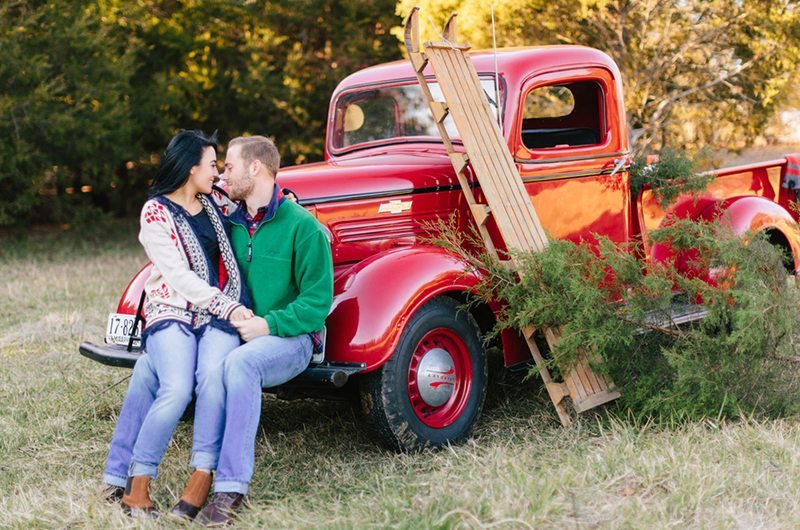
(65,110)
(92,90)
(696,72)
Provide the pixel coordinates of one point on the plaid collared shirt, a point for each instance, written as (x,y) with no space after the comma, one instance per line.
(253,220)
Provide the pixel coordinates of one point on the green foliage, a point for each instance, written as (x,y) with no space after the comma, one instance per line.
(672,175)
(695,72)
(253,67)
(739,359)
(94,90)
(64,112)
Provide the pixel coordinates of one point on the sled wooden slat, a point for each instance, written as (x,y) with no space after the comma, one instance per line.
(507,200)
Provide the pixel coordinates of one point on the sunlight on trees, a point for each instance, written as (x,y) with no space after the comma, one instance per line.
(696,72)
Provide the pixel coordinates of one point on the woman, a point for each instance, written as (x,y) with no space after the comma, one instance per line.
(194,290)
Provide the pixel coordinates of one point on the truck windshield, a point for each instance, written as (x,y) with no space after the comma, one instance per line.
(383,114)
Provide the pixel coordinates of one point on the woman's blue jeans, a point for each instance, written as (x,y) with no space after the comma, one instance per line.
(177,364)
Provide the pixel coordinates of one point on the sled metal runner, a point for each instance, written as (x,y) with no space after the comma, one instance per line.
(507,201)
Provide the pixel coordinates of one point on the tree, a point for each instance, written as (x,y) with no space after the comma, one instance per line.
(92,91)
(696,72)
(64,111)
(252,67)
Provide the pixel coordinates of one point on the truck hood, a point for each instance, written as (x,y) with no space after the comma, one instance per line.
(368,175)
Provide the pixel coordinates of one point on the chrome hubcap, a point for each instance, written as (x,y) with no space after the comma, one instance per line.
(436,377)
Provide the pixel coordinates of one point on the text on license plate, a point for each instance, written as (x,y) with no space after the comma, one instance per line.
(119,328)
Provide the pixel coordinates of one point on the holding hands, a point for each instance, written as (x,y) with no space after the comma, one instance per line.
(251,328)
(241,313)
(248,325)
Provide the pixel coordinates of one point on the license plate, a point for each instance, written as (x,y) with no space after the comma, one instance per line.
(120,327)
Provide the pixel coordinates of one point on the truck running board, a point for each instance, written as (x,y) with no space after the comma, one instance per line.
(679,313)
(324,374)
(507,201)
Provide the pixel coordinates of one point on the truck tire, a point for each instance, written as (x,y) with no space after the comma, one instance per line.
(431,390)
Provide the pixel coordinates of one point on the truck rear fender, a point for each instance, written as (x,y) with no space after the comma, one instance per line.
(374,300)
(129,301)
(747,214)
(754,215)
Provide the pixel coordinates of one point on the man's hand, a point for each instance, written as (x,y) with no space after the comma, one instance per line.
(252,328)
(241,313)
(289,195)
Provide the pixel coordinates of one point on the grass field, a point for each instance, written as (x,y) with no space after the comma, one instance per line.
(315,465)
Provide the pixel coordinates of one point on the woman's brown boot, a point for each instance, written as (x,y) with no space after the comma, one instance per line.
(136,500)
(194,496)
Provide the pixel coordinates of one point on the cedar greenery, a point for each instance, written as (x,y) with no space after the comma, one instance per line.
(672,175)
(740,359)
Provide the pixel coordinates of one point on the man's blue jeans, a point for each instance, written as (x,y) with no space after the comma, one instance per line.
(177,363)
(263,362)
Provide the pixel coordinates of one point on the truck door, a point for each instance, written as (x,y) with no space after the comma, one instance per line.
(572,153)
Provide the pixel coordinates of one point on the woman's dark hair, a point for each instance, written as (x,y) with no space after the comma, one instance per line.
(183,152)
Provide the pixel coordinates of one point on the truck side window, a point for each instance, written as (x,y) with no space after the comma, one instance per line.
(370,119)
(565,115)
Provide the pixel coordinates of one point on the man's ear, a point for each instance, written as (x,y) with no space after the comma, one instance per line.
(255,167)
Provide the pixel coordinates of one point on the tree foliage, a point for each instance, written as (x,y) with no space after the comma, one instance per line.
(65,114)
(254,67)
(696,72)
(94,90)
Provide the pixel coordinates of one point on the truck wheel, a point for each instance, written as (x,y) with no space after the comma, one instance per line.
(431,390)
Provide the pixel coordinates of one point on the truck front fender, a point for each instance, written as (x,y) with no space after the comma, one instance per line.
(373,300)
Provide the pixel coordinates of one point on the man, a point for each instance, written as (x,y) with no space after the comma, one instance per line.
(286,261)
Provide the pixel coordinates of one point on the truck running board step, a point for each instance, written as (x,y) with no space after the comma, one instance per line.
(507,201)
(326,373)
(679,313)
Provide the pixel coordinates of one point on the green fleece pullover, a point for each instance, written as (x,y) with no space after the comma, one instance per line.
(288,267)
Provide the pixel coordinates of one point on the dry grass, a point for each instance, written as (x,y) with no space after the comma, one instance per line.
(316,467)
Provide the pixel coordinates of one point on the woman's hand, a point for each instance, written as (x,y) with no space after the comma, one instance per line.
(241,313)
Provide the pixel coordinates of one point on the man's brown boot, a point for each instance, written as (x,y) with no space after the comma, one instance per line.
(194,496)
(136,500)
(221,509)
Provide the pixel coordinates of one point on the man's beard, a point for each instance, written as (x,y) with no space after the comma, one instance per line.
(242,188)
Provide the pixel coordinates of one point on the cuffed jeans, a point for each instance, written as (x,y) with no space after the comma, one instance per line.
(263,362)
(177,363)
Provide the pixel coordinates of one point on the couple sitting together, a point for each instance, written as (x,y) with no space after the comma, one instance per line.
(240,286)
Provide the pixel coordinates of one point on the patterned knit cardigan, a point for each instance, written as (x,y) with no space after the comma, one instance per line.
(178,289)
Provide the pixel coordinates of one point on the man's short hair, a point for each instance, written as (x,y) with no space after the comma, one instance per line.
(258,148)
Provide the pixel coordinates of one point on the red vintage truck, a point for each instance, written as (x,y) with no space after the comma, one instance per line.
(398,330)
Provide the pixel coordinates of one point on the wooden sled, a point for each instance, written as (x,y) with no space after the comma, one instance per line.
(507,201)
